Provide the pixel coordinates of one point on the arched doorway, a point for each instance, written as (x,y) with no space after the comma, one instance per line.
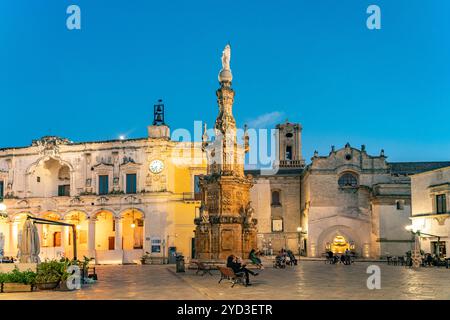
(133,235)
(339,245)
(105,231)
(52,239)
(338,238)
(81,222)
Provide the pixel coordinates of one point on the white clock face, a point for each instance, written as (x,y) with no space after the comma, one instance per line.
(156,166)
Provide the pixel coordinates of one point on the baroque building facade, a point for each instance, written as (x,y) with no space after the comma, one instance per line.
(126,197)
(431,209)
(347,199)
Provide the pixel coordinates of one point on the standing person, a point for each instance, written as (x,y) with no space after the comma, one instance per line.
(347,257)
(236,266)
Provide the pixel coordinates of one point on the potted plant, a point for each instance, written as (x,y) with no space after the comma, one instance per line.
(49,274)
(17,281)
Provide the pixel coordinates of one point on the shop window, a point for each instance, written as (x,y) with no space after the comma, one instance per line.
(156,245)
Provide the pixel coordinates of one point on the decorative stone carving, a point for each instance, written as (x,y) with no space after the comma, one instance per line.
(49,145)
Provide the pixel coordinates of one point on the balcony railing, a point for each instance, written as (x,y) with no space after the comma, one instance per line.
(292,163)
(192,196)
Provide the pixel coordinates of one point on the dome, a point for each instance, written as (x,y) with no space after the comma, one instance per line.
(225,75)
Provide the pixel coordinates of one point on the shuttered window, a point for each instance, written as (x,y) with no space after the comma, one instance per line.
(103,184)
(131,183)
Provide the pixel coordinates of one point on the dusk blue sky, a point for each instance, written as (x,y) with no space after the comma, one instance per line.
(313,62)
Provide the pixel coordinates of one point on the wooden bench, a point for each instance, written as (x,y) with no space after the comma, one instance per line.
(202,267)
(228,273)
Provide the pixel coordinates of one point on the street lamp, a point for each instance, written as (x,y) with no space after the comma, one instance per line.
(300,233)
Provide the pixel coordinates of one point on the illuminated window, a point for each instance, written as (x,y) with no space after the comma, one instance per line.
(348,180)
(277,225)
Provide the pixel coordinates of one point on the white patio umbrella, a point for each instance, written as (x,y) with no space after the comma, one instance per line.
(416,256)
(2,246)
(29,246)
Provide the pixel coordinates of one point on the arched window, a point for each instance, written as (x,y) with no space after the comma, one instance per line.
(276,198)
(348,180)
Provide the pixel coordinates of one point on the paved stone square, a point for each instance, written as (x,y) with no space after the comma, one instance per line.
(308,280)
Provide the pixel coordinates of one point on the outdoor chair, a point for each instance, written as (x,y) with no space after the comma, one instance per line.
(228,274)
(201,267)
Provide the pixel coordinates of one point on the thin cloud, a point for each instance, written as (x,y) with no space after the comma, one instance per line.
(266,120)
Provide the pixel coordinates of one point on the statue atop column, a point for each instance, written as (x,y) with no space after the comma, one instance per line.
(225,75)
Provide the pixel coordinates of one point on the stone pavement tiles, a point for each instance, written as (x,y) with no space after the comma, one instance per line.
(308,280)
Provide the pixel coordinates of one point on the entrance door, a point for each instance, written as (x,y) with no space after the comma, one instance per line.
(111,243)
(339,245)
(172,255)
(57,239)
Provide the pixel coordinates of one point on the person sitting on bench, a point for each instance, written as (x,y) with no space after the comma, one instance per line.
(253,256)
(237,267)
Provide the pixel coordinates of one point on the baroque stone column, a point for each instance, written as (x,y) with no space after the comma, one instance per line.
(227,225)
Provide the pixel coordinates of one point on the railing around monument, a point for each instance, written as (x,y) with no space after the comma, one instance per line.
(192,196)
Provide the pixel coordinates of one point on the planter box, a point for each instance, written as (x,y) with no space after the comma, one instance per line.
(47,286)
(16,287)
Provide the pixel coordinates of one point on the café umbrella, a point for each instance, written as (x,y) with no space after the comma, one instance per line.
(2,246)
(29,245)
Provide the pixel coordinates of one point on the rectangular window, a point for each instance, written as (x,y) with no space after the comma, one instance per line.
(2,184)
(197,191)
(441,205)
(103,184)
(64,191)
(277,225)
(131,183)
(156,245)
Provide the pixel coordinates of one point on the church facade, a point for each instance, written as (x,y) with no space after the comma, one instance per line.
(346,199)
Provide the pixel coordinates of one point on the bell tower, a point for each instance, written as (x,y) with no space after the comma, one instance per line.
(226,224)
(159,129)
(290,145)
